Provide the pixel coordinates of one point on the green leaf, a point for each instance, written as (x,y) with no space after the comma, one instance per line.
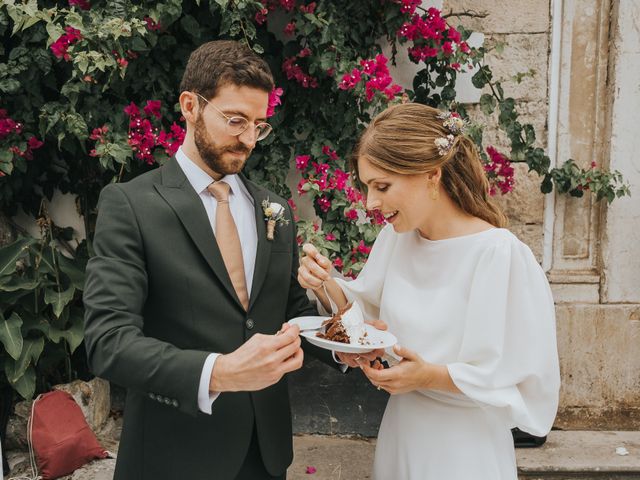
(35,323)
(482,77)
(31,351)
(73,335)
(72,269)
(487,103)
(25,385)
(10,254)
(10,335)
(547,184)
(58,299)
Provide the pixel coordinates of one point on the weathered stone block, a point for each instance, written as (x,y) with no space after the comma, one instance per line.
(525,204)
(531,235)
(521,54)
(92,397)
(599,361)
(513,16)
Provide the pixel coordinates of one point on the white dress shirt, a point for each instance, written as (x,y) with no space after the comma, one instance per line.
(243,211)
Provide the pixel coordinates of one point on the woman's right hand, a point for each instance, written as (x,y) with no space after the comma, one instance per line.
(314,268)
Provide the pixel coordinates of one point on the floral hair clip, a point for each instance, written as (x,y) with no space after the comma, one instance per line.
(452,122)
(444,144)
(455,124)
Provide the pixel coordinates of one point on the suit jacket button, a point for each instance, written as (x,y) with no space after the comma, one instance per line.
(249,324)
(152,396)
(174,403)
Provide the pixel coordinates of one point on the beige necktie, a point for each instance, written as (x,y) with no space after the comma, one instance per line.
(229,241)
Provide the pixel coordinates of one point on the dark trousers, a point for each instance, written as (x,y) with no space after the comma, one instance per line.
(253,467)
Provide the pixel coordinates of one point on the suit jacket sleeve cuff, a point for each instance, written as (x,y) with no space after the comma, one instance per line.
(205,397)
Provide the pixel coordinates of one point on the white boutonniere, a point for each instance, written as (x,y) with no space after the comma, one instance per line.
(273,215)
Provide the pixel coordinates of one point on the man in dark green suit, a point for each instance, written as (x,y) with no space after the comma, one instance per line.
(202,357)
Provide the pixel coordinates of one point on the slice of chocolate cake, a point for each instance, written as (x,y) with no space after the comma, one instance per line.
(334,329)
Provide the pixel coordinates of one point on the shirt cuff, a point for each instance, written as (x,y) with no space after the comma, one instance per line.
(205,397)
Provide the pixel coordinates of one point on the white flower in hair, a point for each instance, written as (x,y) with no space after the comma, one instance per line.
(444,144)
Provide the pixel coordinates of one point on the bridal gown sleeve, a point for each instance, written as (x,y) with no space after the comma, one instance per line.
(508,357)
(367,288)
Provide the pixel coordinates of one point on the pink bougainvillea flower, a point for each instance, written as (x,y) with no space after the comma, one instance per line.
(351,214)
(308,8)
(82,4)
(152,108)
(132,110)
(499,171)
(331,153)
(300,187)
(310,470)
(350,80)
(261,16)
(33,143)
(302,161)
(453,35)
(290,28)
(293,71)
(60,47)
(274,100)
(288,5)
(152,25)
(324,203)
(447,48)
(362,248)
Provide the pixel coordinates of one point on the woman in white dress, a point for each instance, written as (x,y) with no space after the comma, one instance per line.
(469,304)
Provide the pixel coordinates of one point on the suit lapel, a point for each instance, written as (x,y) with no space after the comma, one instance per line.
(263,253)
(186,203)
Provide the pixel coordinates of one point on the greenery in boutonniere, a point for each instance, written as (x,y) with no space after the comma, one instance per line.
(273,215)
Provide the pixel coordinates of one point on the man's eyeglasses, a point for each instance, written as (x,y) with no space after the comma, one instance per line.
(237,125)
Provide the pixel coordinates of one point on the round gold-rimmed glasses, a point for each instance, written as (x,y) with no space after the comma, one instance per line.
(238,125)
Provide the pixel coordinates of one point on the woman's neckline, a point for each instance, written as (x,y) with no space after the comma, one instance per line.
(457,238)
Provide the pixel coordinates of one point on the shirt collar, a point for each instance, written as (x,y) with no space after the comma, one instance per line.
(199,179)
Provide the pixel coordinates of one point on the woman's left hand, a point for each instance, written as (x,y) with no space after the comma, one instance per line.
(410,374)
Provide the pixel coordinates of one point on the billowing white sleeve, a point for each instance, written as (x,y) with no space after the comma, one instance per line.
(508,360)
(367,288)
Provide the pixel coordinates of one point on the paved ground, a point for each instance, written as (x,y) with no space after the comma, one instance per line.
(566,455)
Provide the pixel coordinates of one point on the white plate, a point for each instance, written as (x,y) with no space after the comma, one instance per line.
(312,322)
(376,338)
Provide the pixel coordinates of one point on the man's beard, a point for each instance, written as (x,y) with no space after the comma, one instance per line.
(211,154)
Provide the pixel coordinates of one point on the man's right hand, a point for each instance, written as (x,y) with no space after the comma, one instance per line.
(259,363)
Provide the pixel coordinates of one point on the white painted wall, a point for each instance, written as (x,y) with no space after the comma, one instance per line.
(621,241)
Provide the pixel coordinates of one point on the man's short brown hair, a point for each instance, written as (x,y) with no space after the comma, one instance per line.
(223,62)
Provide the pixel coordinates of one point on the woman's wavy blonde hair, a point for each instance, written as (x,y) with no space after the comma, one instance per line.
(401,140)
